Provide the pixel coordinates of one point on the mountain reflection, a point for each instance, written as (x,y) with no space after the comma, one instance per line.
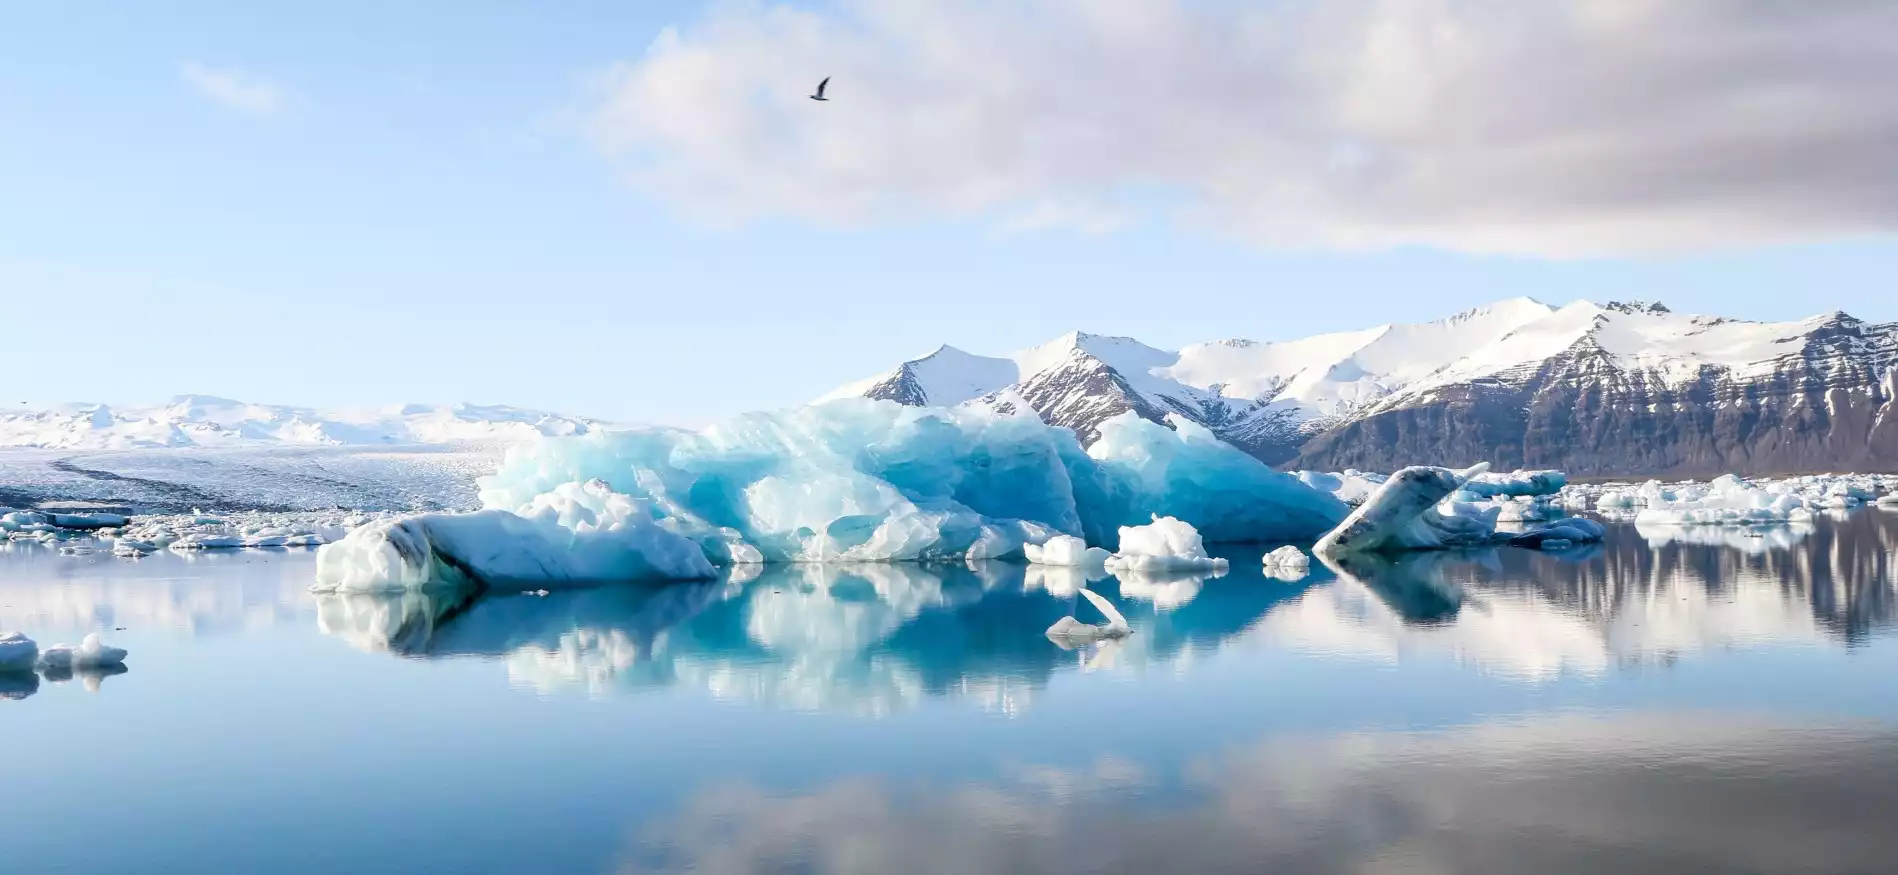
(879,638)
(1643,596)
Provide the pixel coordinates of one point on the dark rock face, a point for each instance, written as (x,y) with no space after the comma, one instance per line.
(1824,405)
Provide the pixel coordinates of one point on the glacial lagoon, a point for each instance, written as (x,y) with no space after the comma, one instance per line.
(1671,700)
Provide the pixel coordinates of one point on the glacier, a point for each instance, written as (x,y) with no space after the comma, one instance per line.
(847,480)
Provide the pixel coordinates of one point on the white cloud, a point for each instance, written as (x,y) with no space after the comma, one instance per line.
(1552,127)
(233,89)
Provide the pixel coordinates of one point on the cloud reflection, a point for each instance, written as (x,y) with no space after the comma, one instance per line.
(1651,793)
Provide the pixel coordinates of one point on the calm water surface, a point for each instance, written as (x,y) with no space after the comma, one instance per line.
(1720,703)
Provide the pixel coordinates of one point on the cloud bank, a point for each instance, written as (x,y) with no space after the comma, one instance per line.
(1535,127)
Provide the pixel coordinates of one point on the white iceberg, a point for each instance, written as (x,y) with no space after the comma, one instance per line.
(1516,483)
(92,653)
(18,653)
(1409,513)
(576,534)
(1289,558)
(1065,550)
(1166,544)
(1728,500)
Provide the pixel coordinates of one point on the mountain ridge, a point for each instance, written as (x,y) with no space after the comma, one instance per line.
(211,421)
(1626,387)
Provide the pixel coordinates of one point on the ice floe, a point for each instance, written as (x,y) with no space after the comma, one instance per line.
(1166,544)
(1734,500)
(1287,558)
(91,653)
(1070,630)
(1065,550)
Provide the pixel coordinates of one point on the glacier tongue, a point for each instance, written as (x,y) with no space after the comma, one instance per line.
(848,480)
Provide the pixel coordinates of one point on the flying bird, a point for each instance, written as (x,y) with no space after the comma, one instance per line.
(820,90)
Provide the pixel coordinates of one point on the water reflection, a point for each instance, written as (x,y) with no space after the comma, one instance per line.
(878,638)
(1637,794)
(867,639)
(1641,597)
(57,596)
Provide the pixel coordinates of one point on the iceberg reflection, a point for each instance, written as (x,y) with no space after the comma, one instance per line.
(870,638)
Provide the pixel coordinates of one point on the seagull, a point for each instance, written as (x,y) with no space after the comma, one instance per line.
(820,90)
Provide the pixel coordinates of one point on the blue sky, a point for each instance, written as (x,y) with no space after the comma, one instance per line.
(354,203)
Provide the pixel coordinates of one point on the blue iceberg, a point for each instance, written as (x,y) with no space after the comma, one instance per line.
(847,481)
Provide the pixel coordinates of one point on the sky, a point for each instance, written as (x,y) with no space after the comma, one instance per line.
(629,209)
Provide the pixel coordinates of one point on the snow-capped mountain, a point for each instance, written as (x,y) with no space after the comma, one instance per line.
(1593,389)
(204,421)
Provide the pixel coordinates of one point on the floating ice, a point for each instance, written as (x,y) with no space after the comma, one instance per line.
(1351,486)
(1287,559)
(864,480)
(1065,550)
(575,534)
(1569,531)
(1166,544)
(18,653)
(1406,514)
(1727,500)
(1071,630)
(92,653)
(1732,500)
(1516,483)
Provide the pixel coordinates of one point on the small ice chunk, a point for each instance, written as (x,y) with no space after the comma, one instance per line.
(90,654)
(1069,629)
(1288,557)
(207,542)
(1065,550)
(18,653)
(1166,544)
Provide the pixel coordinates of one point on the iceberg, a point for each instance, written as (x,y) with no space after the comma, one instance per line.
(92,653)
(18,653)
(1166,544)
(1409,512)
(1065,550)
(576,534)
(1287,558)
(1728,500)
(1069,630)
(851,480)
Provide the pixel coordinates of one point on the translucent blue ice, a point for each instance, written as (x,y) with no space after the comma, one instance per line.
(865,480)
